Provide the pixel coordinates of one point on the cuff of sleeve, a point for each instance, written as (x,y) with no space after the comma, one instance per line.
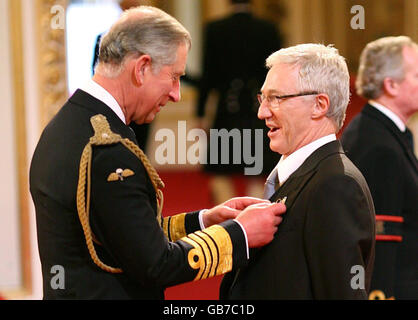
(202,225)
(246,239)
(192,222)
(239,242)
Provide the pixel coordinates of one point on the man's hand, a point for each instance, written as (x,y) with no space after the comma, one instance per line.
(260,222)
(229,210)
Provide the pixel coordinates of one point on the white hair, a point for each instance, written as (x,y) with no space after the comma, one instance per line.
(381,59)
(321,69)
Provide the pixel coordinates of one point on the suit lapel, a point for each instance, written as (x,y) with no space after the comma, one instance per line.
(294,185)
(296,182)
(372,112)
(291,188)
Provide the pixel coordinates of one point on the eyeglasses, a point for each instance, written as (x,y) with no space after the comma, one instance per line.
(274,101)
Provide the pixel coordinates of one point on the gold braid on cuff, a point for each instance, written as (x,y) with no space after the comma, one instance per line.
(174,227)
(104,136)
(211,252)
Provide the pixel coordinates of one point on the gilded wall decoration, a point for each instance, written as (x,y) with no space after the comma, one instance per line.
(52,57)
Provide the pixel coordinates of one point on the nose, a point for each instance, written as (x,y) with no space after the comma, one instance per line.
(264,111)
(175,94)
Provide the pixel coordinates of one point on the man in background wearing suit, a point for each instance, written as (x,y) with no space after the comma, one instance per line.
(380,145)
(326,238)
(98,200)
(234,52)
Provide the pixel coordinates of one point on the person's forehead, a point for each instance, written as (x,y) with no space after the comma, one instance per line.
(281,78)
(410,55)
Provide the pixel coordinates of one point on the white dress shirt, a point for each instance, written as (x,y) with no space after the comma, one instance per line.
(96,90)
(291,163)
(390,114)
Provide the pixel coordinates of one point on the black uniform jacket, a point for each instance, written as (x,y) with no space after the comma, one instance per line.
(377,147)
(122,218)
(324,247)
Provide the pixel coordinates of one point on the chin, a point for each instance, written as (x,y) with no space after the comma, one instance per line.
(276,148)
(273,146)
(150,118)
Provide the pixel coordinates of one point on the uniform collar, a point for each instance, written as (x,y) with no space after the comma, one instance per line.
(100,93)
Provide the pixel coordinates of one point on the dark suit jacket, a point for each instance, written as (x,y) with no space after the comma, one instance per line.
(234,53)
(327,230)
(122,215)
(376,146)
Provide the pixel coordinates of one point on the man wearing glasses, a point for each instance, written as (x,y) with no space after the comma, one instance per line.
(324,247)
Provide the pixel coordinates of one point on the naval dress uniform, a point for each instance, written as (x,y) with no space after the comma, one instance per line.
(98,212)
(376,140)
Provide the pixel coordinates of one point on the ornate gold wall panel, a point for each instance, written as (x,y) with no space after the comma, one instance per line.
(51,59)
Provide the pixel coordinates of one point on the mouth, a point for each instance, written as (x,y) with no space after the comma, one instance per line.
(273,130)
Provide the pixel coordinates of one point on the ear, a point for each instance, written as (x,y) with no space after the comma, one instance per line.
(390,87)
(321,106)
(142,65)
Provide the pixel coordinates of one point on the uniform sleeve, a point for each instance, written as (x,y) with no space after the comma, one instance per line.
(123,218)
(178,226)
(339,240)
(381,167)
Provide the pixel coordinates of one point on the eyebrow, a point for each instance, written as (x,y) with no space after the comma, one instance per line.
(271,92)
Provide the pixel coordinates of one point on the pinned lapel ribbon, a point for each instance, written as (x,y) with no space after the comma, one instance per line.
(120,174)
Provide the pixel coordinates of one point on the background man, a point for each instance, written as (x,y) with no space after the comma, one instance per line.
(380,145)
(88,158)
(234,51)
(328,230)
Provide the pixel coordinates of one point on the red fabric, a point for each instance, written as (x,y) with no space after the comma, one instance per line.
(389,218)
(385,237)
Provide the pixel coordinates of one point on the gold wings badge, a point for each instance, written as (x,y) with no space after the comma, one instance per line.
(120,174)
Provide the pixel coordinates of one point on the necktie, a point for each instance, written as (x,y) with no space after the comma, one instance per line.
(407,134)
(270,185)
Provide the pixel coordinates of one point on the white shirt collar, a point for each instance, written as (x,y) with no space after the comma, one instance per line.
(287,166)
(390,114)
(100,93)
